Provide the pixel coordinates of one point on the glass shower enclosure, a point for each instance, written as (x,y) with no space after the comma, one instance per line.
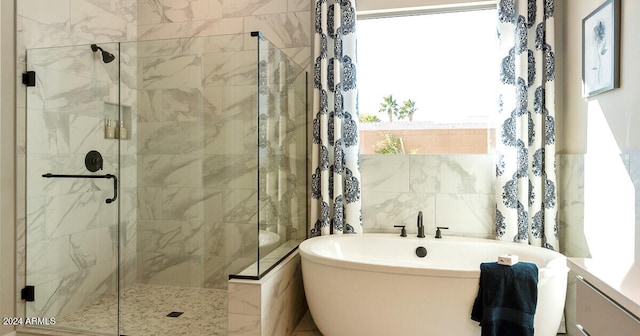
(157,170)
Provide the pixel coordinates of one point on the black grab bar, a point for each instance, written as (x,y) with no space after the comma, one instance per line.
(106,176)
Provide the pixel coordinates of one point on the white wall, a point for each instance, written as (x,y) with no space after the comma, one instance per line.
(604,129)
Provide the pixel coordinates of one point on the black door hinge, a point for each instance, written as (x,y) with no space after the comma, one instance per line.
(28,293)
(29,78)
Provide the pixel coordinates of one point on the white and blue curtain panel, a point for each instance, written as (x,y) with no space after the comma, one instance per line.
(335,182)
(526,191)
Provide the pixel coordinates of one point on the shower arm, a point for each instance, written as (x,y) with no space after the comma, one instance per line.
(106,176)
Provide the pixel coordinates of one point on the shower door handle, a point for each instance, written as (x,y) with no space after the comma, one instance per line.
(106,176)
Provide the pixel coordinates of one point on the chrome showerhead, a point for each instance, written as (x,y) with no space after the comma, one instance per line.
(106,56)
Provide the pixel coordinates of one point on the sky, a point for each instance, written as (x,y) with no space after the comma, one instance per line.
(446,63)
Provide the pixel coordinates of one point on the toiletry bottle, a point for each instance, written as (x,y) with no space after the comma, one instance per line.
(122,130)
(109,129)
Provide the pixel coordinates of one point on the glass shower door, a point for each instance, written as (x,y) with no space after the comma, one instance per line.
(72,188)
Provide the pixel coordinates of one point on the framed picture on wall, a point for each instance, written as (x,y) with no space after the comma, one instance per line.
(601,49)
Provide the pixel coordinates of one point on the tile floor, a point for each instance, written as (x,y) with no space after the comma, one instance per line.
(306,327)
(145,308)
(144,312)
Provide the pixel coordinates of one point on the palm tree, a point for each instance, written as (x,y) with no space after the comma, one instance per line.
(389,106)
(408,109)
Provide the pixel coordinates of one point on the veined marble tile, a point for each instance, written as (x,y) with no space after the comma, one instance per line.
(215,26)
(71,292)
(229,136)
(86,133)
(385,173)
(230,68)
(184,10)
(128,235)
(129,268)
(160,138)
(78,60)
(243,298)
(148,32)
(217,269)
(466,214)
(183,204)
(381,211)
(48,260)
(64,93)
(47,133)
(34,34)
(239,8)
(150,202)
(288,30)
(126,9)
(467,174)
(171,269)
(231,240)
(36,224)
(171,171)
(45,11)
(238,206)
(193,137)
(185,104)
(570,170)
(200,45)
(150,12)
(239,102)
(283,298)
(167,47)
(230,171)
(298,5)
(171,237)
(92,247)
(301,56)
(244,325)
(172,72)
(213,205)
(74,213)
(93,23)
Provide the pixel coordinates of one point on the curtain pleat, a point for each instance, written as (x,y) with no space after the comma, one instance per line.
(335,201)
(526,191)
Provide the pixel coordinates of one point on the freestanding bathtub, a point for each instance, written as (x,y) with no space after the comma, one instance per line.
(375,284)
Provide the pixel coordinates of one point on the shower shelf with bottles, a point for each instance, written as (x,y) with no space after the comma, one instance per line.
(117,124)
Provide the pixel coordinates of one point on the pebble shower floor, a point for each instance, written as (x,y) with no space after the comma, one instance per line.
(145,309)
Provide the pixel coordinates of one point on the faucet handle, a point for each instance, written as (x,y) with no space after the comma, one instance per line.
(438,232)
(403,231)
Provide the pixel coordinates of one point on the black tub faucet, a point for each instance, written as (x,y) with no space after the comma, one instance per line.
(420,225)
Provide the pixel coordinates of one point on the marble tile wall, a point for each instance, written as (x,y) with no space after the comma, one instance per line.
(216,231)
(65,231)
(272,306)
(454,191)
(195,192)
(198,137)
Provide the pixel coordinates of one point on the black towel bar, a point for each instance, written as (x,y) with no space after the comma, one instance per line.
(106,176)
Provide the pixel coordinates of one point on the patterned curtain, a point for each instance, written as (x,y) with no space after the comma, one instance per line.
(335,181)
(526,179)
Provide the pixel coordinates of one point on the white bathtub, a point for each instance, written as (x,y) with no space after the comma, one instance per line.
(374,284)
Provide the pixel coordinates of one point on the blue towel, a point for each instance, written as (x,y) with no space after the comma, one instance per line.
(507,298)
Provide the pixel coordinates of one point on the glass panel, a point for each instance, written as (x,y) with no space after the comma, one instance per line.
(72,255)
(178,122)
(193,132)
(282,155)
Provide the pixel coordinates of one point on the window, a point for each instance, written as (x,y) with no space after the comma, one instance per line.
(441,71)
